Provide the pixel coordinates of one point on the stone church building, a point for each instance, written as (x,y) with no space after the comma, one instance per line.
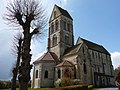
(86,61)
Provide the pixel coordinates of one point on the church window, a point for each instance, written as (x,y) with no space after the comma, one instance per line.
(111,68)
(96,55)
(59,73)
(68,27)
(74,72)
(103,68)
(36,73)
(83,50)
(98,69)
(46,74)
(99,55)
(56,25)
(54,14)
(64,25)
(54,40)
(52,28)
(67,40)
(92,54)
(84,67)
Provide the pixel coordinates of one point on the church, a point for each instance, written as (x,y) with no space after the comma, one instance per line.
(85,60)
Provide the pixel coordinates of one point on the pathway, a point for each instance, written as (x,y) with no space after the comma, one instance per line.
(108,89)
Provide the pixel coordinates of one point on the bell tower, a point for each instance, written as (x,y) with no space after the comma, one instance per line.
(60,31)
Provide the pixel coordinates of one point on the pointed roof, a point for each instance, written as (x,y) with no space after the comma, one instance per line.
(94,46)
(64,12)
(78,41)
(48,56)
(65,63)
(61,11)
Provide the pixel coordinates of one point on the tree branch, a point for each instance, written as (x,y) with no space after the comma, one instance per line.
(35,31)
(19,18)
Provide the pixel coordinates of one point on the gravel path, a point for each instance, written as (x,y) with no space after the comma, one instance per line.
(108,89)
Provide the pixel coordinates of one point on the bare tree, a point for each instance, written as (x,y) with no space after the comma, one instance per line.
(116,71)
(17,51)
(30,15)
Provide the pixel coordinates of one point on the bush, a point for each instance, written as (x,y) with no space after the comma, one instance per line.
(66,82)
(77,82)
(5,84)
(74,87)
(57,83)
(90,87)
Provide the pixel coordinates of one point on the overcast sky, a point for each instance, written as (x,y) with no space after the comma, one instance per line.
(95,20)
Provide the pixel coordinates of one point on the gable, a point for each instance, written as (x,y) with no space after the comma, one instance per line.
(65,63)
(48,56)
(95,47)
(57,11)
(79,41)
(73,50)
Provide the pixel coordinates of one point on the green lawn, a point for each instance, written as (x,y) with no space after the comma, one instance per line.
(29,89)
(39,89)
(94,89)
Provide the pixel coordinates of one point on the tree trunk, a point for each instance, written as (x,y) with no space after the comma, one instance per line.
(23,86)
(25,68)
(15,70)
(13,83)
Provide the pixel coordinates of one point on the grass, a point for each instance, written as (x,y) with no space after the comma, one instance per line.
(94,89)
(29,89)
(41,89)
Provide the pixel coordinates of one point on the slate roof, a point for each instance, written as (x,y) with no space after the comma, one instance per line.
(64,12)
(48,56)
(65,63)
(73,50)
(95,46)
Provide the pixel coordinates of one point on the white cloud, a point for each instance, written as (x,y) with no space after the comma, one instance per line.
(115,56)
(65,1)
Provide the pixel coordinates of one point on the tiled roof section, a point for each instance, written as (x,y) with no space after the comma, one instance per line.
(65,63)
(72,50)
(48,56)
(64,12)
(95,46)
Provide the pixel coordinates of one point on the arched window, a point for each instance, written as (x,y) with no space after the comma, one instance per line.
(56,25)
(64,24)
(52,28)
(36,73)
(67,40)
(59,73)
(83,50)
(84,67)
(54,40)
(68,26)
(46,74)
(92,54)
(74,72)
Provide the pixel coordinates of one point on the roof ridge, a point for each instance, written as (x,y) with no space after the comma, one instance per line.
(95,46)
(64,12)
(91,42)
(44,55)
(60,7)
